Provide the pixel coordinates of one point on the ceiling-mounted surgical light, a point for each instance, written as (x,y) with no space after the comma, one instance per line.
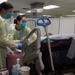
(50,7)
(36,7)
(35,10)
(3,1)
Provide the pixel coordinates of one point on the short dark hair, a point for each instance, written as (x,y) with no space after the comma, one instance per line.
(5,5)
(19,17)
(15,21)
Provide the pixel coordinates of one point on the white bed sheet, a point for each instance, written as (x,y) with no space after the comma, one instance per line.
(59,36)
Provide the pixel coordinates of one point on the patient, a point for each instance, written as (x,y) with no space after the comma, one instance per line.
(22,30)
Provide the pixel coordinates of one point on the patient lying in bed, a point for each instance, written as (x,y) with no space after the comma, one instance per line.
(60,45)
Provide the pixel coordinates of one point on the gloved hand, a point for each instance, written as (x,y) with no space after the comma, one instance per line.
(20,46)
(21,41)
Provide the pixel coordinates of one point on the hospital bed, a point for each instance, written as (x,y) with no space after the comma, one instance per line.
(36,52)
(31,50)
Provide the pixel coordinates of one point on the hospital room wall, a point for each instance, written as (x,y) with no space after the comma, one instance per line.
(67,25)
(31,22)
(58,25)
(53,28)
(62,25)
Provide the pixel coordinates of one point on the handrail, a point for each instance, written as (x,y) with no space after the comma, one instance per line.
(38,42)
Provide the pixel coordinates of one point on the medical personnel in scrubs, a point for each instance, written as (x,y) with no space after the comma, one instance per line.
(5,13)
(10,26)
(22,30)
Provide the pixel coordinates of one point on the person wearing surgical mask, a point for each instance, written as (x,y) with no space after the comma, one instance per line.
(5,13)
(22,30)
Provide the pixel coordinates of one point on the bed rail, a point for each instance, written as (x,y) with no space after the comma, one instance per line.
(31,50)
(37,41)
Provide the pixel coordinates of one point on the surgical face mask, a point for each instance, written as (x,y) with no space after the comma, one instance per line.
(23,25)
(8,16)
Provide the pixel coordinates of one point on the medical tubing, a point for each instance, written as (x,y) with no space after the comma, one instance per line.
(50,53)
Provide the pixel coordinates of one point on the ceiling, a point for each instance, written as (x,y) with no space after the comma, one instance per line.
(66,6)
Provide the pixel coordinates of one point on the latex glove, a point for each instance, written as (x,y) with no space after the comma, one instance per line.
(21,41)
(20,46)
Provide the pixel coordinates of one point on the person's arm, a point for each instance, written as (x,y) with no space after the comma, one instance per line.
(4,42)
(33,36)
(15,40)
(7,43)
